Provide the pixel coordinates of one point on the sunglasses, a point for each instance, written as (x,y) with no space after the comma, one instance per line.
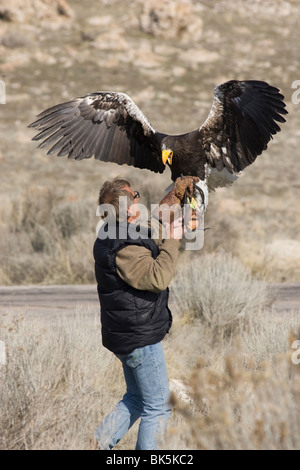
(136,195)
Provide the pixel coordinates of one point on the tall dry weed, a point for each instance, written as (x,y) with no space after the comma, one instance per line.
(57,383)
(219,291)
(241,408)
(47,239)
(228,350)
(242,389)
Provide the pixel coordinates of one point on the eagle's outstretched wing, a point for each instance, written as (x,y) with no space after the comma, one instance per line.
(106,125)
(240,124)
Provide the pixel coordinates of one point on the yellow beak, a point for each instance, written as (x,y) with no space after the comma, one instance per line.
(167,156)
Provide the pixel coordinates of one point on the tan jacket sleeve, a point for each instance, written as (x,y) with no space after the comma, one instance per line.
(137,267)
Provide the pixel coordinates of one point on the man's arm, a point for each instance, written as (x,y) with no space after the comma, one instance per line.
(135,264)
(137,267)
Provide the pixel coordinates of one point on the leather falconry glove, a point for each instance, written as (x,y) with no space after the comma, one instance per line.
(185,187)
(170,206)
(181,187)
(186,194)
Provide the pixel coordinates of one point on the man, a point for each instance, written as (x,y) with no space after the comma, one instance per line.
(133,275)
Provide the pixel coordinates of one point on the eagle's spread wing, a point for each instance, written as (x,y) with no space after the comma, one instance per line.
(240,124)
(107,125)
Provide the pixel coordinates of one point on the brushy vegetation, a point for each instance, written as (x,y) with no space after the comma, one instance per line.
(57,382)
(46,59)
(47,235)
(231,354)
(218,290)
(45,239)
(241,408)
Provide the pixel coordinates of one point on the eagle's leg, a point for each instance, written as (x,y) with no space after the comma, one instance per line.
(195,206)
(201,194)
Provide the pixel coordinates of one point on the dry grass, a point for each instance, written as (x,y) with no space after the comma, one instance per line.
(241,407)
(243,389)
(236,369)
(46,62)
(57,383)
(219,291)
(226,344)
(47,235)
(45,238)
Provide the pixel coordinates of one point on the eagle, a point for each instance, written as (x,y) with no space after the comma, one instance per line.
(108,125)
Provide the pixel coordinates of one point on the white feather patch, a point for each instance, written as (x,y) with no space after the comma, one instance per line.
(134,111)
(216,178)
(203,186)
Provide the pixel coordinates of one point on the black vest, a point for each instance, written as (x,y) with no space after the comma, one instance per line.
(130,318)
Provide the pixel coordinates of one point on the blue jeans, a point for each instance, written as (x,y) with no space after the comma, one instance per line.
(147,397)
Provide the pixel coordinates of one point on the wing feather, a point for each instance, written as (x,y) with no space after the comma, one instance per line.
(242,121)
(60,144)
(106,125)
(73,131)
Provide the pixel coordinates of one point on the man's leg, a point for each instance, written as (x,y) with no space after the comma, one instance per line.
(151,378)
(126,412)
(147,397)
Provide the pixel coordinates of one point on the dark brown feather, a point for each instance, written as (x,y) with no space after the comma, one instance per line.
(107,125)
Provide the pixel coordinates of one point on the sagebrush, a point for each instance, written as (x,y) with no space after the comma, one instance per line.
(243,389)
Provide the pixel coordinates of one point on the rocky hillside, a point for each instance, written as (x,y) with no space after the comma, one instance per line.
(167,55)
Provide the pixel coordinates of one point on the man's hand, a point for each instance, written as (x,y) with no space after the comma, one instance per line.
(175,229)
(191,221)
